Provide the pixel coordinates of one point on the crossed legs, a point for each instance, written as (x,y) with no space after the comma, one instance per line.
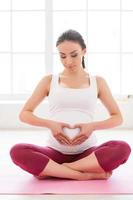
(94,163)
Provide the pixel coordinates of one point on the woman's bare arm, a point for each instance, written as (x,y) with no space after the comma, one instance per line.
(27,113)
(104,94)
(40,92)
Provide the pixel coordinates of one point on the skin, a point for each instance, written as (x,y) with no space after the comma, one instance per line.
(73,76)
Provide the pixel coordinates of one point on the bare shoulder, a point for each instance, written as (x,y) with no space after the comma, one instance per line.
(45,82)
(102,85)
(100,80)
(47,78)
(106,96)
(39,93)
(43,87)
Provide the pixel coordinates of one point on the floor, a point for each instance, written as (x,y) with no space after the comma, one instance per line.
(66,197)
(9,138)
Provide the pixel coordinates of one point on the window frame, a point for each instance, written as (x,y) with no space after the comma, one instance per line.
(49,44)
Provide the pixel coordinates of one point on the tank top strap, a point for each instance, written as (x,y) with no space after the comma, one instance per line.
(54,81)
(93,81)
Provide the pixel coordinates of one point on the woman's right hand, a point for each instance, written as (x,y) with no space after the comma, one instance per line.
(57,132)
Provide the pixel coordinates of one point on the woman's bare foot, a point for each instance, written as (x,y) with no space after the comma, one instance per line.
(42,177)
(95,176)
(85,176)
(92,175)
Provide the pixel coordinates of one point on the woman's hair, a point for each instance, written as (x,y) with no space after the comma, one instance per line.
(72,35)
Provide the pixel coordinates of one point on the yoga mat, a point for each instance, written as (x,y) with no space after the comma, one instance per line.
(15,181)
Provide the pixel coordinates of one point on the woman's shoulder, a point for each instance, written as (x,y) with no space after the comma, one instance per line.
(49,80)
(101,83)
(45,82)
(49,77)
(99,78)
(46,79)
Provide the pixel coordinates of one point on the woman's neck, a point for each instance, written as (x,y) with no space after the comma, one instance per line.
(77,73)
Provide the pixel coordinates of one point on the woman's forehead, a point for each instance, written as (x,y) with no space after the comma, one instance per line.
(68,47)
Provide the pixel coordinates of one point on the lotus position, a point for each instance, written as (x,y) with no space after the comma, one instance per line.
(71,150)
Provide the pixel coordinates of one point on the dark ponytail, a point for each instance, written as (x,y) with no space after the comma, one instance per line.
(83,62)
(72,35)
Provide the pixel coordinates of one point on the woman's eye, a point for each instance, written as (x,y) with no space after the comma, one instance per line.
(74,55)
(63,57)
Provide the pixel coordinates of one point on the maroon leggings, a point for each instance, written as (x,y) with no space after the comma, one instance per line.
(33,158)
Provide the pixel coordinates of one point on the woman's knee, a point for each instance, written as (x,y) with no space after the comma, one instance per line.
(118,148)
(16,151)
(123,150)
(112,154)
(28,158)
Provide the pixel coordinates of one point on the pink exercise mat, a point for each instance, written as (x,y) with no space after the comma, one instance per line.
(15,181)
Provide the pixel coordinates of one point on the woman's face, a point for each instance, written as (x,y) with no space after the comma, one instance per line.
(71,54)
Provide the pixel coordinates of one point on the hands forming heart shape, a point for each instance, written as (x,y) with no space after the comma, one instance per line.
(71,132)
(74,135)
(68,134)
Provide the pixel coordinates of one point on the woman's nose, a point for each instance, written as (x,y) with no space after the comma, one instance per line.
(68,61)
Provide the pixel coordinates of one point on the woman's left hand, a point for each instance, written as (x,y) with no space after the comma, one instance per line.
(86,130)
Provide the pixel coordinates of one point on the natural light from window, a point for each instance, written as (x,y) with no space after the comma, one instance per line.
(29,30)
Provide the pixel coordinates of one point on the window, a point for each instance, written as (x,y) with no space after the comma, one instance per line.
(22,49)
(30,28)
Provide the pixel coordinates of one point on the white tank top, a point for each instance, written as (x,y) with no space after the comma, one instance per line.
(72,106)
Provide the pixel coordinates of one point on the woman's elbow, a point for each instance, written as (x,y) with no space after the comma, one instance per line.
(26,117)
(120,119)
(21,116)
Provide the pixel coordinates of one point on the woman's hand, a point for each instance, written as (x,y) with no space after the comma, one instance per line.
(86,131)
(57,131)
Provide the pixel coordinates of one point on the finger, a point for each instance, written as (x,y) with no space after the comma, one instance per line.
(81,138)
(63,142)
(77,137)
(66,137)
(78,141)
(63,138)
(77,126)
(66,125)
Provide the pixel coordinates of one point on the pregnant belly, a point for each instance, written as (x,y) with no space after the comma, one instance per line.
(71,117)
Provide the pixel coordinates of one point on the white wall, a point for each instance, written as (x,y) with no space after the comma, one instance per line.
(9,112)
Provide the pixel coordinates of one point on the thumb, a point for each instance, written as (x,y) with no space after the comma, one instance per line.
(77,126)
(66,125)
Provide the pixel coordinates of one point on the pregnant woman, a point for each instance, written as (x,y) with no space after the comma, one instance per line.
(71,151)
